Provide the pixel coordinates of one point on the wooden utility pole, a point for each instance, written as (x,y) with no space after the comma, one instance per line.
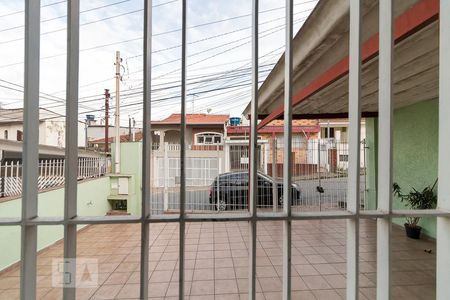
(117,115)
(107,95)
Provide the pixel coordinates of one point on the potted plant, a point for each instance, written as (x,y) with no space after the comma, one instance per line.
(425,199)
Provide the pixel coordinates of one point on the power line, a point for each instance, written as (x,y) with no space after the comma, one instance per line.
(64,16)
(90,100)
(128,94)
(227,50)
(138,91)
(193,70)
(159,50)
(46,96)
(161,33)
(154,101)
(21,11)
(176,60)
(90,22)
(222,52)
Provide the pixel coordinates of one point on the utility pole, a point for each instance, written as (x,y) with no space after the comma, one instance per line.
(107,95)
(193,103)
(129,129)
(117,114)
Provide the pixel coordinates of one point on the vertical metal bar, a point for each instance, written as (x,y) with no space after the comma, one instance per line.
(182,150)
(253,183)
(354,129)
(443,224)
(385,150)
(287,163)
(30,153)
(146,149)
(70,189)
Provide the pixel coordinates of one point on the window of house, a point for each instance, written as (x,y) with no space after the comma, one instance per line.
(343,157)
(208,138)
(19,135)
(325,132)
(5,134)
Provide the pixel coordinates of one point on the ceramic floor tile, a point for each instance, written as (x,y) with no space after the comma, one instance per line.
(216,259)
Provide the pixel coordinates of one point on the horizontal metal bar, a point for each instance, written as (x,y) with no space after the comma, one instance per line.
(373,214)
(10,221)
(104,220)
(420,213)
(45,221)
(217,217)
(163,218)
(322,215)
(225,217)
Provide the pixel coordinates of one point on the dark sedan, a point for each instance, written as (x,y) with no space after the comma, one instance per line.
(231,190)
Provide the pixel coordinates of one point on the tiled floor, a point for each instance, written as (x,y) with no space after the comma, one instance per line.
(217,262)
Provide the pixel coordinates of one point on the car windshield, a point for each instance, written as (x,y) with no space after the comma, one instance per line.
(265,177)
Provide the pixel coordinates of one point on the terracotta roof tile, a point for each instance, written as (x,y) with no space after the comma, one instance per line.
(194,119)
(123,138)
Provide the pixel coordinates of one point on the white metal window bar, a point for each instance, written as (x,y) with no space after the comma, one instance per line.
(253,176)
(30,150)
(146,149)
(29,219)
(70,190)
(287,157)
(354,114)
(385,117)
(182,153)
(443,223)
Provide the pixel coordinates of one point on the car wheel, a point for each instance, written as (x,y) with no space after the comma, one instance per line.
(222,205)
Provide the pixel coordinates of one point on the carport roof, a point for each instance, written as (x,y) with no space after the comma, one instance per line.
(320,61)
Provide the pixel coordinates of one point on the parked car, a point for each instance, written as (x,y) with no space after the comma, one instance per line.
(232,189)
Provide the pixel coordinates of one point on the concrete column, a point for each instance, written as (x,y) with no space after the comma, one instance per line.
(162,134)
(227,154)
(266,158)
(274,174)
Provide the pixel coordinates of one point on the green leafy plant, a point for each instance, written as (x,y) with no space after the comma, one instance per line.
(425,199)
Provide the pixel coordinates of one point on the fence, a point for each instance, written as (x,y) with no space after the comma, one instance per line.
(51,173)
(218,179)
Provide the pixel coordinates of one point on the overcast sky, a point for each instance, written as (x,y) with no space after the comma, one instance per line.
(219,53)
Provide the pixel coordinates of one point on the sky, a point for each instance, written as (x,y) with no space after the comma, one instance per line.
(218,50)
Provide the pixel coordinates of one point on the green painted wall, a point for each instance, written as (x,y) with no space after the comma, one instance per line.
(416,152)
(415,143)
(91,202)
(131,164)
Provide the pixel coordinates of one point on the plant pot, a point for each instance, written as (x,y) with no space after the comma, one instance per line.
(413,232)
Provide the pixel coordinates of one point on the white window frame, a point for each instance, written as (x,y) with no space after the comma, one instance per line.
(208,133)
(29,221)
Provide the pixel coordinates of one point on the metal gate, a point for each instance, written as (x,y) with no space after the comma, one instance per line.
(320,169)
(239,156)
